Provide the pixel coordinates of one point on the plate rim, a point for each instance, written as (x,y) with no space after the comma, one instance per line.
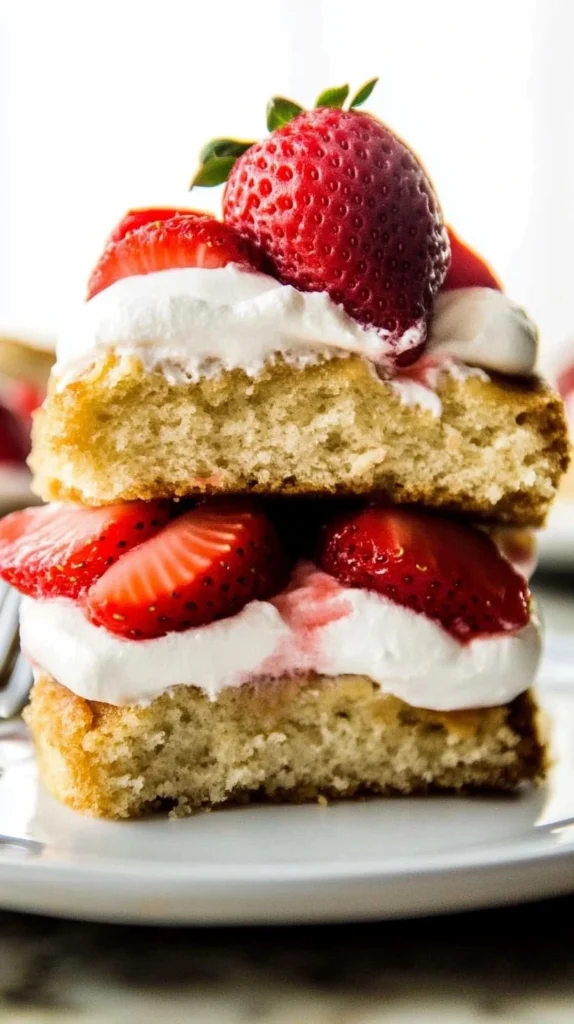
(78,883)
(505,853)
(282,900)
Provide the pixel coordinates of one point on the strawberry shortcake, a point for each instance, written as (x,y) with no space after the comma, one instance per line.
(291,460)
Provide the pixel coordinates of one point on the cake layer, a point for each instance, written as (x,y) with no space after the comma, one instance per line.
(294,739)
(493,448)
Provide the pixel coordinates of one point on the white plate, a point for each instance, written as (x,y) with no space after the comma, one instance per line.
(556,541)
(378,858)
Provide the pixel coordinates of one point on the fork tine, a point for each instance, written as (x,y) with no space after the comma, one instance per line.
(14,696)
(9,621)
(15,672)
(4,591)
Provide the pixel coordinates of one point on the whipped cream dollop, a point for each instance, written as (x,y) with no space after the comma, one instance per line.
(194,322)
(472,331)
(314,626)
(483,327)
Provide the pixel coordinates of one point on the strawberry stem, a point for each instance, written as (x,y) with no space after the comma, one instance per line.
(218,156)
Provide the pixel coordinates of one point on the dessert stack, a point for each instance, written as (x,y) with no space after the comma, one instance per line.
(292,460)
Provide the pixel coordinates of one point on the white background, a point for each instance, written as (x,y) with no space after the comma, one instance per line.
(103,105)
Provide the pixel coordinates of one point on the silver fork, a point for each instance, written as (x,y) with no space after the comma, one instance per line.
(15,672)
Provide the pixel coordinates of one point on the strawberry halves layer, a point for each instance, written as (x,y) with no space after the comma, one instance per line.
(452,573)
(144,569)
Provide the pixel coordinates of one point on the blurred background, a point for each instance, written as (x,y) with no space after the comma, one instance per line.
(104,105)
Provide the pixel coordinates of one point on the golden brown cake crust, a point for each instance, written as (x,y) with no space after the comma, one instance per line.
(294,739)
(497,452)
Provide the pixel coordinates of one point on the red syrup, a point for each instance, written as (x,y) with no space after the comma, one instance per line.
(425,371)
(312,601)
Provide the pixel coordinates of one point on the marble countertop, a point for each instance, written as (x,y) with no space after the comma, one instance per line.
(512,966)
(507,966)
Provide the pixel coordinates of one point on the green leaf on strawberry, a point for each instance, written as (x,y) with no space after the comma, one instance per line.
(334,97)
(363,94)
(281,111)
(214,172)
(224,147)
(218,157)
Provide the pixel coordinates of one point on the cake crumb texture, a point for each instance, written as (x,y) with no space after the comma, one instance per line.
(121,433)
(294,739)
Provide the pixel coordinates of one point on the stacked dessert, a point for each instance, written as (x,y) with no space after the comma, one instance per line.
(292,459)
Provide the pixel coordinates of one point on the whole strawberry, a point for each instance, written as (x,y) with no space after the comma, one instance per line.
(339,204)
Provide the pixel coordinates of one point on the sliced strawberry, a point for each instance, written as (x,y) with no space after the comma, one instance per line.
(205,565)
(60,550)
(135,219)
(467,269)
(198,240)
(451,573)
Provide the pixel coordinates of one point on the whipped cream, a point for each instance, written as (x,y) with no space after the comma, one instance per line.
(472,330)
(315,626)
(418,393)
(194,322)
(483,327)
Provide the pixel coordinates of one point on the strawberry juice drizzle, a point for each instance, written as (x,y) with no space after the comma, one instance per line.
(312,601)
(425,371)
